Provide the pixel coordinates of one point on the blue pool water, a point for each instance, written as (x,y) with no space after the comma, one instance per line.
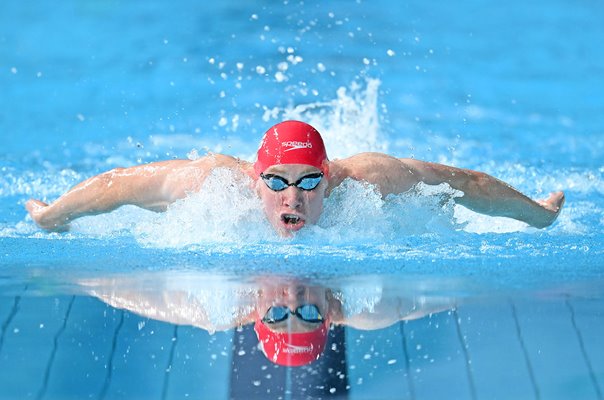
(511,89)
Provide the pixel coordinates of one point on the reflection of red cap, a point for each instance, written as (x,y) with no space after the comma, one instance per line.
(291,142)
(292,349)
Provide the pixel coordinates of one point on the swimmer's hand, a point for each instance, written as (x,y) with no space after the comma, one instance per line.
(38,210)
(552,205)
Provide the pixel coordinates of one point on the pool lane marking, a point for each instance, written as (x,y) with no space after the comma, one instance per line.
(592,375)
(466,353)
(164,392)
(53,353)
(10,317)
(116,333)
(8,320)
(407,361)
(527,359)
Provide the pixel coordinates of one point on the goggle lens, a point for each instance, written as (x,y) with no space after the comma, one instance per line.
(306,312)
(278,183)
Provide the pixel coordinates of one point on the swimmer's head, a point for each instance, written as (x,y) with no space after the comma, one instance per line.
(292,168)
(293,322)
(291,142)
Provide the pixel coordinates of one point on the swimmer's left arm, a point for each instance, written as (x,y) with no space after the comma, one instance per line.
(392,309)
(488,195)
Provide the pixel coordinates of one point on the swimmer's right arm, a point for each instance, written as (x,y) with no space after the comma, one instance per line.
(152,186)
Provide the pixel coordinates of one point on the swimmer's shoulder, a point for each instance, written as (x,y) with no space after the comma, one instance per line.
(388,173)
(189,175)
(215,160)
(362,165)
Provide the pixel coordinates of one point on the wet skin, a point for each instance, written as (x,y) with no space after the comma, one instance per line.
(289,210)
(293,297)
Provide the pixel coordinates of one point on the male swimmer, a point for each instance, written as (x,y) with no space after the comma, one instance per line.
(292,175)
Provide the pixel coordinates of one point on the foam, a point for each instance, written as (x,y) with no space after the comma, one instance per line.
(227,213)
(355,211)
(44,184)
(225,210)
(479,223)
(20,229)
(231,214)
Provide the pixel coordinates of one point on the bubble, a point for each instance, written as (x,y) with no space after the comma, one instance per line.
(280,76)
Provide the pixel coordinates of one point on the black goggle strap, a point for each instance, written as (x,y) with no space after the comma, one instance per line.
(306,312)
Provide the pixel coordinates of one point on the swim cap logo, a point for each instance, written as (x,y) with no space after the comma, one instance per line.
(293,349)
(293,145)
(280,141)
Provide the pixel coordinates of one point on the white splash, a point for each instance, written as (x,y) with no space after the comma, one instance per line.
(349,123)
(225,210)
(40,185)
(227,213)
(355,211)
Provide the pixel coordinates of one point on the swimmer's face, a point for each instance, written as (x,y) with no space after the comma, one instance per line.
(292,297)
(290,209)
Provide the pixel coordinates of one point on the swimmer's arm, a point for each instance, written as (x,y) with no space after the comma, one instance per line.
(173,306)
(392,310)
(488,195)
(152,186)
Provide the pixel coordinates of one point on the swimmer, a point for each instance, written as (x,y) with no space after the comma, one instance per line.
(292,175)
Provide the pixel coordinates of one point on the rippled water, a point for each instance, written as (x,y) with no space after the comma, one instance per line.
(509,89)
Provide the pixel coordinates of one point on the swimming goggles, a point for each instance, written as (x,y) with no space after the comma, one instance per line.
(277,183)
(306,312)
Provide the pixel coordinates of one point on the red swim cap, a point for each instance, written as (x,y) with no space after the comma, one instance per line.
(291,142)
(292,349)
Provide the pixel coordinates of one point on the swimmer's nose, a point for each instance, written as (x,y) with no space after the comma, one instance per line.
(292,197)
(294,296)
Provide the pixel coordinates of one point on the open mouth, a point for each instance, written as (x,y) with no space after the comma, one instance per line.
(292,221)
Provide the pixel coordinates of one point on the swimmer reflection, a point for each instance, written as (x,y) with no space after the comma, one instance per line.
(291,337)
(291,318)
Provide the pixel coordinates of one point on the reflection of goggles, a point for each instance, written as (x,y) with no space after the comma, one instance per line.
(277,183)
(306,312)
